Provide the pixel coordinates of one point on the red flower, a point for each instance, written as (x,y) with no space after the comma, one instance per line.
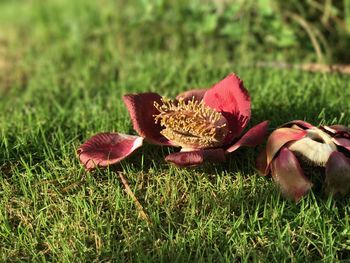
(205,123)
(326,146)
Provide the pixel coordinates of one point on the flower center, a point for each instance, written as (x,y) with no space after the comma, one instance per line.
(191,124)
(315,147)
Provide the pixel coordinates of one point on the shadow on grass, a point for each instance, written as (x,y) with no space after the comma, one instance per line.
(279,114)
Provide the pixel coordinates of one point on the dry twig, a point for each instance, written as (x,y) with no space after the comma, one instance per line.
(139,207)
(310,67)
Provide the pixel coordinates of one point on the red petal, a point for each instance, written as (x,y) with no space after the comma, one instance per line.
(104,149)
(252,137)
(338,174)
(197,94)
(231,99)
(141,109)
(302,124)
(194,158)
(343,142)
(287,173)
(279,138)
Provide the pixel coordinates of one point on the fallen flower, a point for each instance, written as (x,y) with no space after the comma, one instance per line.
(298,144)
(205,123)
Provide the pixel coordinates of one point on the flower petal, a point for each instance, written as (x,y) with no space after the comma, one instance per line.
(141,109)
(287,173)
(302,124)
(197,157)
(343,142)
(197,94)
(338,130)
(231,99)
(338,174)
(252,137)
(279,138)
(104,149)
(314,152)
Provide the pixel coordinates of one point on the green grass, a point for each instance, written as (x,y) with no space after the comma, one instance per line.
(65,66)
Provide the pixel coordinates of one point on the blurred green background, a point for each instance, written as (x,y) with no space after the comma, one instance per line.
(252,30)
(242,32)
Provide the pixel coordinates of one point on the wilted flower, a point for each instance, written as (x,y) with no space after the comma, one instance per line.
(297,145)
(205,123)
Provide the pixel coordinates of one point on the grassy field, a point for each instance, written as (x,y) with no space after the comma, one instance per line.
(64,66)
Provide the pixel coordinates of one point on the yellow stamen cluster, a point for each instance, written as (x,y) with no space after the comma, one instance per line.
(191,124)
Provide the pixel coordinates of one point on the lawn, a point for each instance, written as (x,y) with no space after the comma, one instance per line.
(64,66)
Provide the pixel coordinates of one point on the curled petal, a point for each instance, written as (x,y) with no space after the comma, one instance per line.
(338,174)
(197,94)
(141,109)
(196,157)
(298,123)
(251,138)
(280,137)
(287,173)
(104,149)
(338,130)
(343,142)
(231,99)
